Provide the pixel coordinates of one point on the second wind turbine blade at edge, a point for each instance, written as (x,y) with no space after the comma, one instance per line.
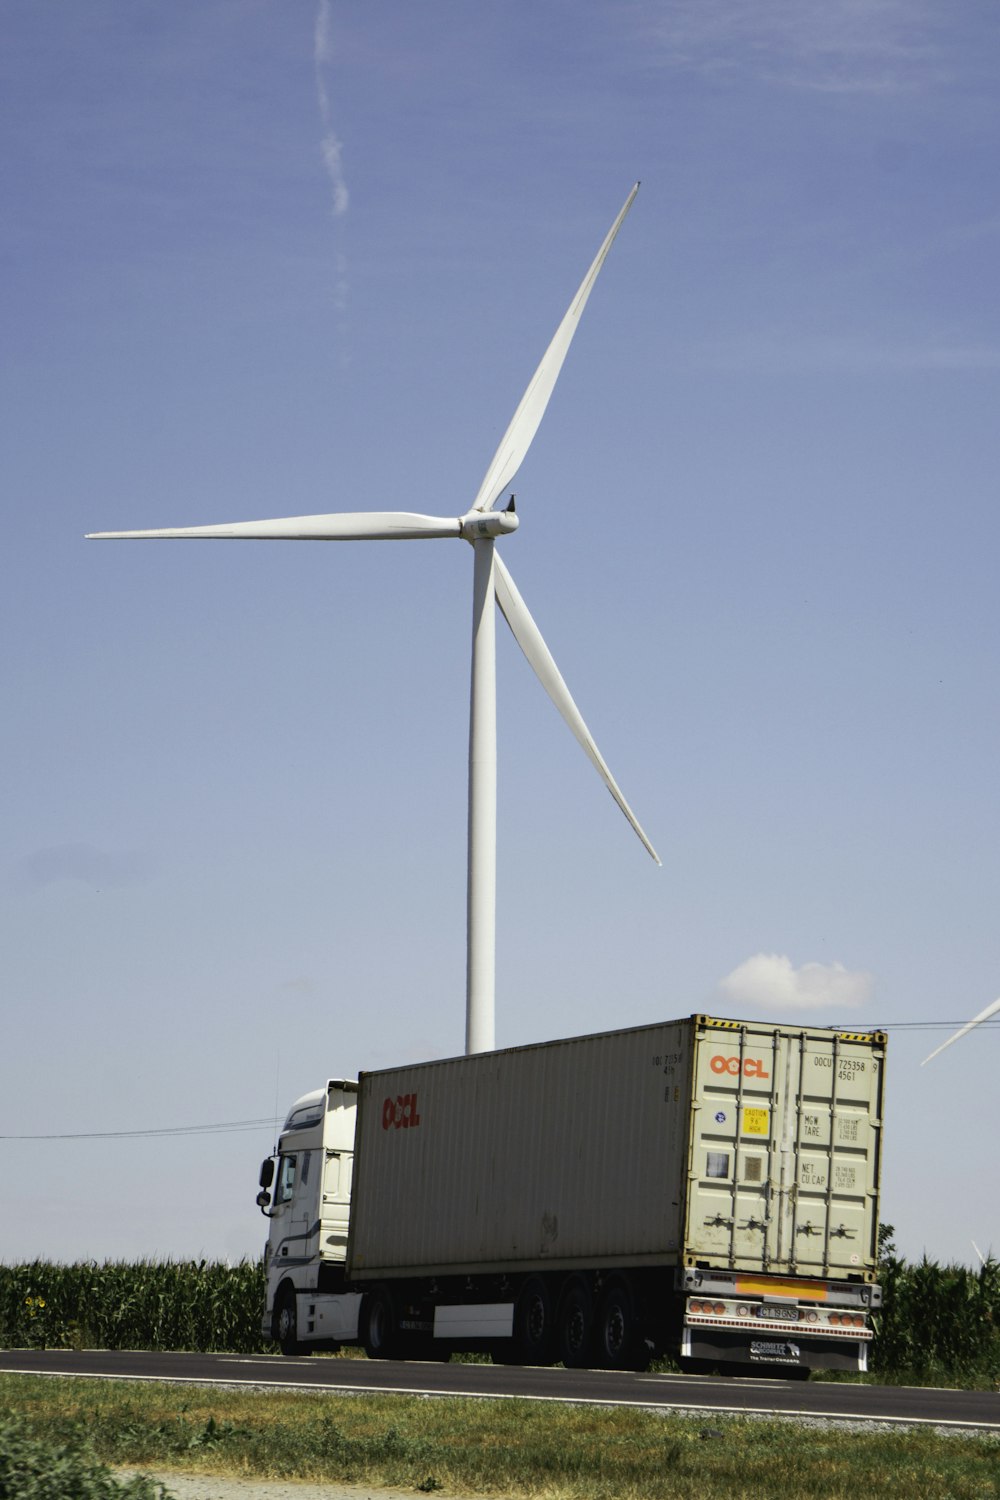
(984,1015)
(529,638)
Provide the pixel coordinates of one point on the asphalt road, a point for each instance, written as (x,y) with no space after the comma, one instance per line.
(962,1410)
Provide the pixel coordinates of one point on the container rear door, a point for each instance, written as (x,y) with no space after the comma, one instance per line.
(784,1149)
(829,1221)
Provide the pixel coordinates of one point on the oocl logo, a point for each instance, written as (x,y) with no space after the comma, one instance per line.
(753,1067)
(400,1113)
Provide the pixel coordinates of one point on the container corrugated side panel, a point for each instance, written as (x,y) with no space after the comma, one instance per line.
(567,1152)
(783,1173)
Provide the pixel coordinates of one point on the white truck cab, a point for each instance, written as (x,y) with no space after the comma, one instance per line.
(305,1192)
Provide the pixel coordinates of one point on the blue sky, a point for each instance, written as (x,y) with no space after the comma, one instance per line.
(264,259)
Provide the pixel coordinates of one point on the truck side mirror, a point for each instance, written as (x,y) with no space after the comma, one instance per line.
(266,1172)
(263,1198)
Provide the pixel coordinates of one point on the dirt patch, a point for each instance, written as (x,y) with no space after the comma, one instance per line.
(221,1487)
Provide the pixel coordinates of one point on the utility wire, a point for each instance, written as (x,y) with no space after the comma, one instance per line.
(269,1122)
(225,1127)
(915,1026)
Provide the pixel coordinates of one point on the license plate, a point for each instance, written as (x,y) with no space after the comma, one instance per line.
(776,1314)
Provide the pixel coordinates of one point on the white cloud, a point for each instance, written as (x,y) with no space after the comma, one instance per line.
(324,43)
(302,984)
(331,148)
(333,160)
(833,46)
(844,355)
(769,981)
(84,863)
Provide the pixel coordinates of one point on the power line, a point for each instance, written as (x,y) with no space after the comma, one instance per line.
(271,1122)
(224,1127)
(920,1026)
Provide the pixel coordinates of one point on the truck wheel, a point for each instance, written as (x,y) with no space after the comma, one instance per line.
(286,1329)
(533,1341)
(379,1333)
(576,1324)
(618,1332)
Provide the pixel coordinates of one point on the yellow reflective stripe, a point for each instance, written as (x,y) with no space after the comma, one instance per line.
(749,1286)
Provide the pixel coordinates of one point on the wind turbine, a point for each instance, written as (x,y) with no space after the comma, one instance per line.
(984,1015)
(480,525)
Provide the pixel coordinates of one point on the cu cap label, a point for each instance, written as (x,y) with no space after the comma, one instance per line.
(400,1113)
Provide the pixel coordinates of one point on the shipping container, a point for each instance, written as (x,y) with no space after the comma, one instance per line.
(742,1146)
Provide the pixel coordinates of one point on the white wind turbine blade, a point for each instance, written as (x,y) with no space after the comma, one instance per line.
(983,1015)
(348,526)
(524,424)
(529,638)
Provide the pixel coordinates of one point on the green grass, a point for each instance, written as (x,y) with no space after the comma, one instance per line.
(493,1448)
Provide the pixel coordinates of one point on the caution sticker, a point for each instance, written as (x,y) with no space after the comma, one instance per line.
(756,1121)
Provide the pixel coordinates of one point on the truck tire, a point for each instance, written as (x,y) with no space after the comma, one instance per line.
(533,1340)
(379,1332)
(618,1332)
(576,1324)
(286,1323)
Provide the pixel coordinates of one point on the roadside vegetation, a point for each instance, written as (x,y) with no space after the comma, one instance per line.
(487,1447)
(940,1325)
(200,1305)
(36,1467)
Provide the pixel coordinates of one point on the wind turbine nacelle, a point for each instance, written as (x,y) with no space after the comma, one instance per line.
(479,524)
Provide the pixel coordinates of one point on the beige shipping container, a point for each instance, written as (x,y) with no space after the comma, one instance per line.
(724,1144)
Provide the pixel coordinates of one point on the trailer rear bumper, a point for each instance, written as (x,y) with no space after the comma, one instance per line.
(774,1347)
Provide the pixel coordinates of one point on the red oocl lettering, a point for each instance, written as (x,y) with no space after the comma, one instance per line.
(400,1113)
(752,1066)
(410,1116)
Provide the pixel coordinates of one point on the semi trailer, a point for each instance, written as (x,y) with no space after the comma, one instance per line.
(704,1187)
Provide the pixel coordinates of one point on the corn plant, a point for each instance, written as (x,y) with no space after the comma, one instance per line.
(199,1305)
(937,1322)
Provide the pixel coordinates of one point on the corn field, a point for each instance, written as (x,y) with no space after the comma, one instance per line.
(937,1324)
(199,1305)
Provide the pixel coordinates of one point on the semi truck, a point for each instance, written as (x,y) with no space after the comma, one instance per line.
(705,1188)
